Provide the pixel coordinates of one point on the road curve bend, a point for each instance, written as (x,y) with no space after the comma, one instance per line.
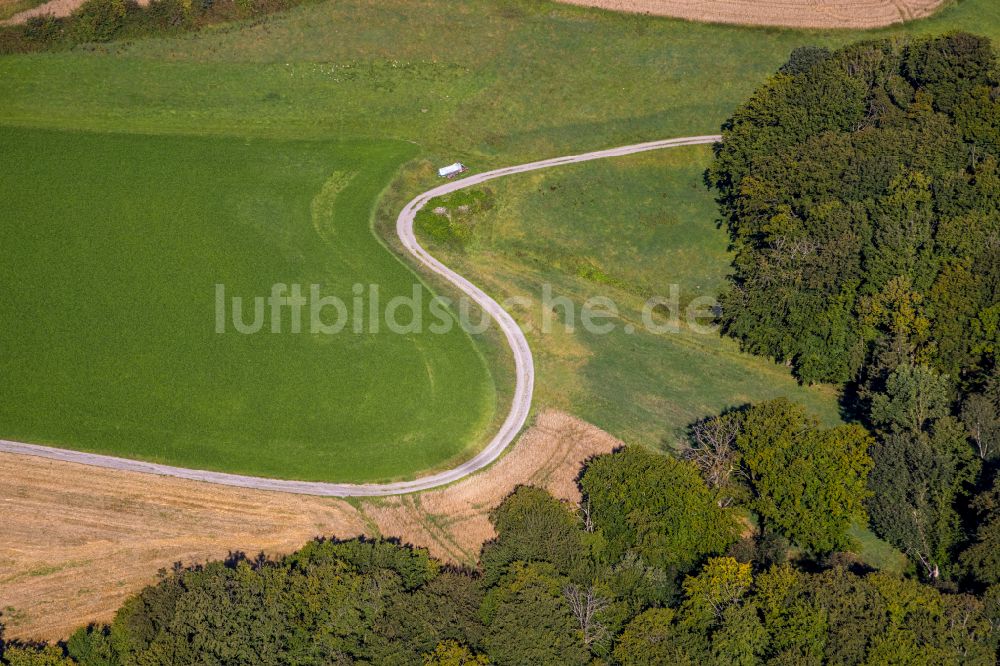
(524,366)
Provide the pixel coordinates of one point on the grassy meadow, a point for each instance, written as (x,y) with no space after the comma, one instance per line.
(113,245)
(491,82)
(627,229)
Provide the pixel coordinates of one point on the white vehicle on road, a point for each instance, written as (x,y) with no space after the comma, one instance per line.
(452,170)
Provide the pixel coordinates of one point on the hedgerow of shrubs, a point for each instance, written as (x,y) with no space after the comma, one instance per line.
(98,21)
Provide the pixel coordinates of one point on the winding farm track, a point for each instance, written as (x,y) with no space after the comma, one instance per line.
(524,366)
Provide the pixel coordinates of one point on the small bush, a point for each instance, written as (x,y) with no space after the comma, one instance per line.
(166,14)
(455,220)
(45,29)
(98,20)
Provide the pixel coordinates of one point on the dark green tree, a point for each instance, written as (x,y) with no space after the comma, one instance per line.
(657,507)
(533,526)
(982,557)
(860,191)
(29,655)
(528,619)
(653,638)
(452,653)
(981,416)
(924,465)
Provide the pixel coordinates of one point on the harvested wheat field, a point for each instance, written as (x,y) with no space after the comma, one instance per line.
(78,540)
(857,14)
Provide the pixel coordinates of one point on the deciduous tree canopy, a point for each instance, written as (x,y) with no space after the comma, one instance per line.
(364,602)
(861,190)
(804,482)
(862,193)
(657,507)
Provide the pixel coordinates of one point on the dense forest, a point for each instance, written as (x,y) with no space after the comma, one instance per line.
(861,189)
(862,193)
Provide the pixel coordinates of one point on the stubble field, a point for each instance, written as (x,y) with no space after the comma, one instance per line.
(840,14)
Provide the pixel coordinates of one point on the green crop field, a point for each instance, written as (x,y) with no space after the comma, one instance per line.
(238,123)
(113,245)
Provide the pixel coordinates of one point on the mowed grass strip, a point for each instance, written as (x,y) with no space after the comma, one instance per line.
(112,247)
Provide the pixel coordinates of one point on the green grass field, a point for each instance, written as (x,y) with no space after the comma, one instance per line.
(627,229)
(112,247)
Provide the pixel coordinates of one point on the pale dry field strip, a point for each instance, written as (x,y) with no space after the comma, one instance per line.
(856,14)
(77,540)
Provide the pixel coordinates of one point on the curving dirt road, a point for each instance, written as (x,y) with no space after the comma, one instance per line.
(524,366)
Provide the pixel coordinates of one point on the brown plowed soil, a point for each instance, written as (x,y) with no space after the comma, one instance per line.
(453,522)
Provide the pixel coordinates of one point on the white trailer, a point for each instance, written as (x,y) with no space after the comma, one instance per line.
(451,170)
